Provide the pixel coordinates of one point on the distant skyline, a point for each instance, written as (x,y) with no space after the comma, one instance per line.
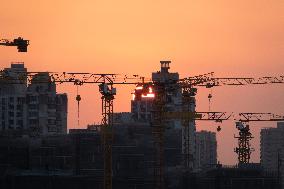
(232,38)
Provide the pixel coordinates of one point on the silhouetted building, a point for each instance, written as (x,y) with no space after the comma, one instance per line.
(206,150)
(13,107)
(47,110)
(272,149)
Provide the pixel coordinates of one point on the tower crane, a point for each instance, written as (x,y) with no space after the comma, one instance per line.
(20,43)
(242,119)
(108,93)
(161,90)
(244,149)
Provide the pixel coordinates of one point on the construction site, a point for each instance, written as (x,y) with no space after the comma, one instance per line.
(155,145)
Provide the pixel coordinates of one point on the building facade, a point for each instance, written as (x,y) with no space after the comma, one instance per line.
(272,150)
(13,107)
(31,108)
(206,150)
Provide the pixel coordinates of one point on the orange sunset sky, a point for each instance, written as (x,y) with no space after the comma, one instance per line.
(230,37)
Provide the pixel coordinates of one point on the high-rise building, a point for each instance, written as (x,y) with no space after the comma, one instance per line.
(34,108)
(141,104)
(206,150)
(141,107)
(13,107)
(272,149)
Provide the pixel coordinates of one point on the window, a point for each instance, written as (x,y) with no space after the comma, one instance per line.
(32,106)
(33,121)
(11,106)
(33,114)
(51,122)
(11,114)
(32,99)
(51,106)
(20,100)
(11,99)
(20,123)
(19,107)
(19,114)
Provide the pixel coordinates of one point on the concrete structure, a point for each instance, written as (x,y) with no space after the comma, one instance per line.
(141,107)
(34,108)
(206,150)
(272,150)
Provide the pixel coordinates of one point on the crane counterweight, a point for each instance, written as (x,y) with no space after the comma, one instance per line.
(20,43)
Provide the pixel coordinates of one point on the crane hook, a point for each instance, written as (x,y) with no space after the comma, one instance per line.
(219,128)
(209,99)
(78,99)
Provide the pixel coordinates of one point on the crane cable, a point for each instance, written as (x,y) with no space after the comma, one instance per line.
(78,99)
(210,95)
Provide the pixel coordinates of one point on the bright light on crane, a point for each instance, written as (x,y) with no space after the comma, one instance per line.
(150,90)
(149,95)
(139,87)
(143,91)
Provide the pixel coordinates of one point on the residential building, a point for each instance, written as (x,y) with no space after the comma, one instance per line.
(32,108)
(272,149)
(12,98)
(206,150)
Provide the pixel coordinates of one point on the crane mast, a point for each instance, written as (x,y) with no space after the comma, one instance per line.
(188,100)
(244,149)
(107,134)
(158,131)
